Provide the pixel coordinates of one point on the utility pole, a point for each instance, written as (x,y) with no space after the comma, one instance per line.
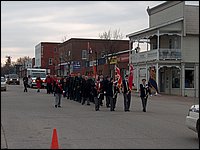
(96,62)
(60,66)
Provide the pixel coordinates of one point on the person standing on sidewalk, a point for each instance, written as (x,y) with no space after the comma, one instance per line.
(144,90)
(48,81)
(38,83)
(127,94)
(25,81)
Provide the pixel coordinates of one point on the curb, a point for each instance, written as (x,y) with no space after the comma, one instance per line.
(3,139)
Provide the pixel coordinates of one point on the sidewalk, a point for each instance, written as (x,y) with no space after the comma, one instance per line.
(3,139)
(169,97)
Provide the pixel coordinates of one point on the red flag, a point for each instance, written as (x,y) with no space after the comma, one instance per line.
(130,78)
(117,70)
(89,48)
(94,70)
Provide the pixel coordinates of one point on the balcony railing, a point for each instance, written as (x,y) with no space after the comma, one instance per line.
(161,54)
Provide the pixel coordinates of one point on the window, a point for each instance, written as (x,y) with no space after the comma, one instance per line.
(84,54)
(170,43)
(154,46)
(175,78)
(189,78)
(50,61)
(55,49)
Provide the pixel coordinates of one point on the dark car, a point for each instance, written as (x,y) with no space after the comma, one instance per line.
(13,79)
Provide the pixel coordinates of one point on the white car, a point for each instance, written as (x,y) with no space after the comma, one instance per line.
(192,119)
(3,84)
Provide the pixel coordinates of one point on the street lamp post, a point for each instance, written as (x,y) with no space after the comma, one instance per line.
(68,68)
(60,66)
(96,62)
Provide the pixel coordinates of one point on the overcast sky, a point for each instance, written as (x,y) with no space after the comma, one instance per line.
(25,24)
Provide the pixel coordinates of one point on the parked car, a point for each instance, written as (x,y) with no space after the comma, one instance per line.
(13,79)
(3,84)
(192,119)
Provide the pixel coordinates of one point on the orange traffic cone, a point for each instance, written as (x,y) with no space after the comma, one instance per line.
(54,143)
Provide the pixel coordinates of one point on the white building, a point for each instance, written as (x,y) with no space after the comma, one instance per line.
(172,47)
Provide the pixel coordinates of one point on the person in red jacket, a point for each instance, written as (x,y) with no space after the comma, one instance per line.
(38,83)
(48,81)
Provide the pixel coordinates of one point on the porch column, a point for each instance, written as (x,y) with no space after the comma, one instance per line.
(147,72)
(196,81)
(137,80)
(158,45)
(157,75)
(182,79)
(130,52)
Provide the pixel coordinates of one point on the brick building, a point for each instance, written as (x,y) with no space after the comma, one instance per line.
(81,55)
(47,56)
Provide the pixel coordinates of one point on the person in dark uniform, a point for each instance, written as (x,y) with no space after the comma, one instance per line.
(92,84)
(25,81)
(144,91)
(127,94)
(86,91)
(106,90)
(110,93)
(58,90)
(78,82)
(71,88)
(95,95)
(67,86)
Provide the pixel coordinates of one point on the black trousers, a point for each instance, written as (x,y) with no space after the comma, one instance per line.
(112,103)
(25,87)
(97,103)
(144,102)
(107,101)
(127,101)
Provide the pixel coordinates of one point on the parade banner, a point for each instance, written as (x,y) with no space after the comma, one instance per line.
(94,71)
(117,71)
(152,79)
(130,78)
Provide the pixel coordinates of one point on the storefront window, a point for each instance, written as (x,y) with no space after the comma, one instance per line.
(175,78)
(189,78)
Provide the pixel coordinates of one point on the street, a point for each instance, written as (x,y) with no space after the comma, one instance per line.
(28,120)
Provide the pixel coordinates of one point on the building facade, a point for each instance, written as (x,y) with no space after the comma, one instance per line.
(171,47)
(82,55)
(47,56)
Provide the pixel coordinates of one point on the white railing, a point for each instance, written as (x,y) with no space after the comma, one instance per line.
(169,54)
(161,54)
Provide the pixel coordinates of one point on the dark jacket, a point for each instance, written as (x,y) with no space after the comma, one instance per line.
(58,88)
(125,87)
(144,90)
(109,89)
(87,88)
(25,80)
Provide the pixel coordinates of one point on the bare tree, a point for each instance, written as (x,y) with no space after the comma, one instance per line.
(111,46)
(22,60)
(111,35)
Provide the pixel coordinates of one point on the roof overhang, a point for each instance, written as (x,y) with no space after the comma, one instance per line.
(146,32)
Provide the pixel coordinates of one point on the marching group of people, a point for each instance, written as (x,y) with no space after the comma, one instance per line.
(85,89)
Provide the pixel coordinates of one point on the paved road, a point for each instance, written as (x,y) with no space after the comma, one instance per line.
(28,121)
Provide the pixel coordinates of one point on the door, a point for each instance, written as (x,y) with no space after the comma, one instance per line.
(162,80)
